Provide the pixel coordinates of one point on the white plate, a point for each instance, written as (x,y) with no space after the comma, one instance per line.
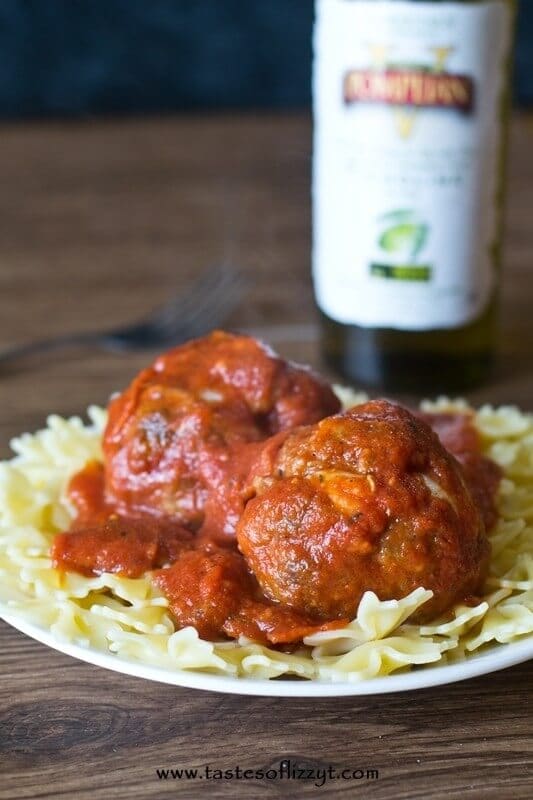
(496,658)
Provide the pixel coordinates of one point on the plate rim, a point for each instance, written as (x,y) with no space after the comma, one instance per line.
(500,656)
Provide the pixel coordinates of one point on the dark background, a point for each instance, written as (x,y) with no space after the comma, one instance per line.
(76,57)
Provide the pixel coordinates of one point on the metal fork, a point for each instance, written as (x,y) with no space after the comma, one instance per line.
(205,305)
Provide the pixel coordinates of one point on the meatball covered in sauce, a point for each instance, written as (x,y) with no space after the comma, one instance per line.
(180,439)
(364,500)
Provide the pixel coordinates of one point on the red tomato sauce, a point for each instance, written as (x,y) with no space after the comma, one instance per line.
(205,578)
(460,437)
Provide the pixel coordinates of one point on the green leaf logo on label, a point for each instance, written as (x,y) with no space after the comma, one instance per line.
(404,236)
(401,237)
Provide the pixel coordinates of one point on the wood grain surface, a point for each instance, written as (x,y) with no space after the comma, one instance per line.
(100,222)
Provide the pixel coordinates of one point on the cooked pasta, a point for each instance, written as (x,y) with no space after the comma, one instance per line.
(129,617)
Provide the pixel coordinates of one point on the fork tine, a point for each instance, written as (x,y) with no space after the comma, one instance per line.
(179,311)
(200,323)
(208,282)
(207,311)
(211,298)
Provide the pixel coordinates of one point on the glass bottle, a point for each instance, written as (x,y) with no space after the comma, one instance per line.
(411,104)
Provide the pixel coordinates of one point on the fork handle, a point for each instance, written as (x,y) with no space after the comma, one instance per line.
(48,345)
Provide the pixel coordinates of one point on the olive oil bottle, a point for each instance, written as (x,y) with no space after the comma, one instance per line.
(410,112)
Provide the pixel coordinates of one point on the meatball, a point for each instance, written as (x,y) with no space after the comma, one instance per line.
(364,500)
(180,439)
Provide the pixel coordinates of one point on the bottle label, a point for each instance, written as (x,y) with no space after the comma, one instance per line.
(407,159)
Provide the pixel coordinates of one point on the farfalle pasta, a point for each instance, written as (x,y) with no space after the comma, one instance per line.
(130,618)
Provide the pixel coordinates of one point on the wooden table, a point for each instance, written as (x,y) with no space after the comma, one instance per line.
(101,221)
